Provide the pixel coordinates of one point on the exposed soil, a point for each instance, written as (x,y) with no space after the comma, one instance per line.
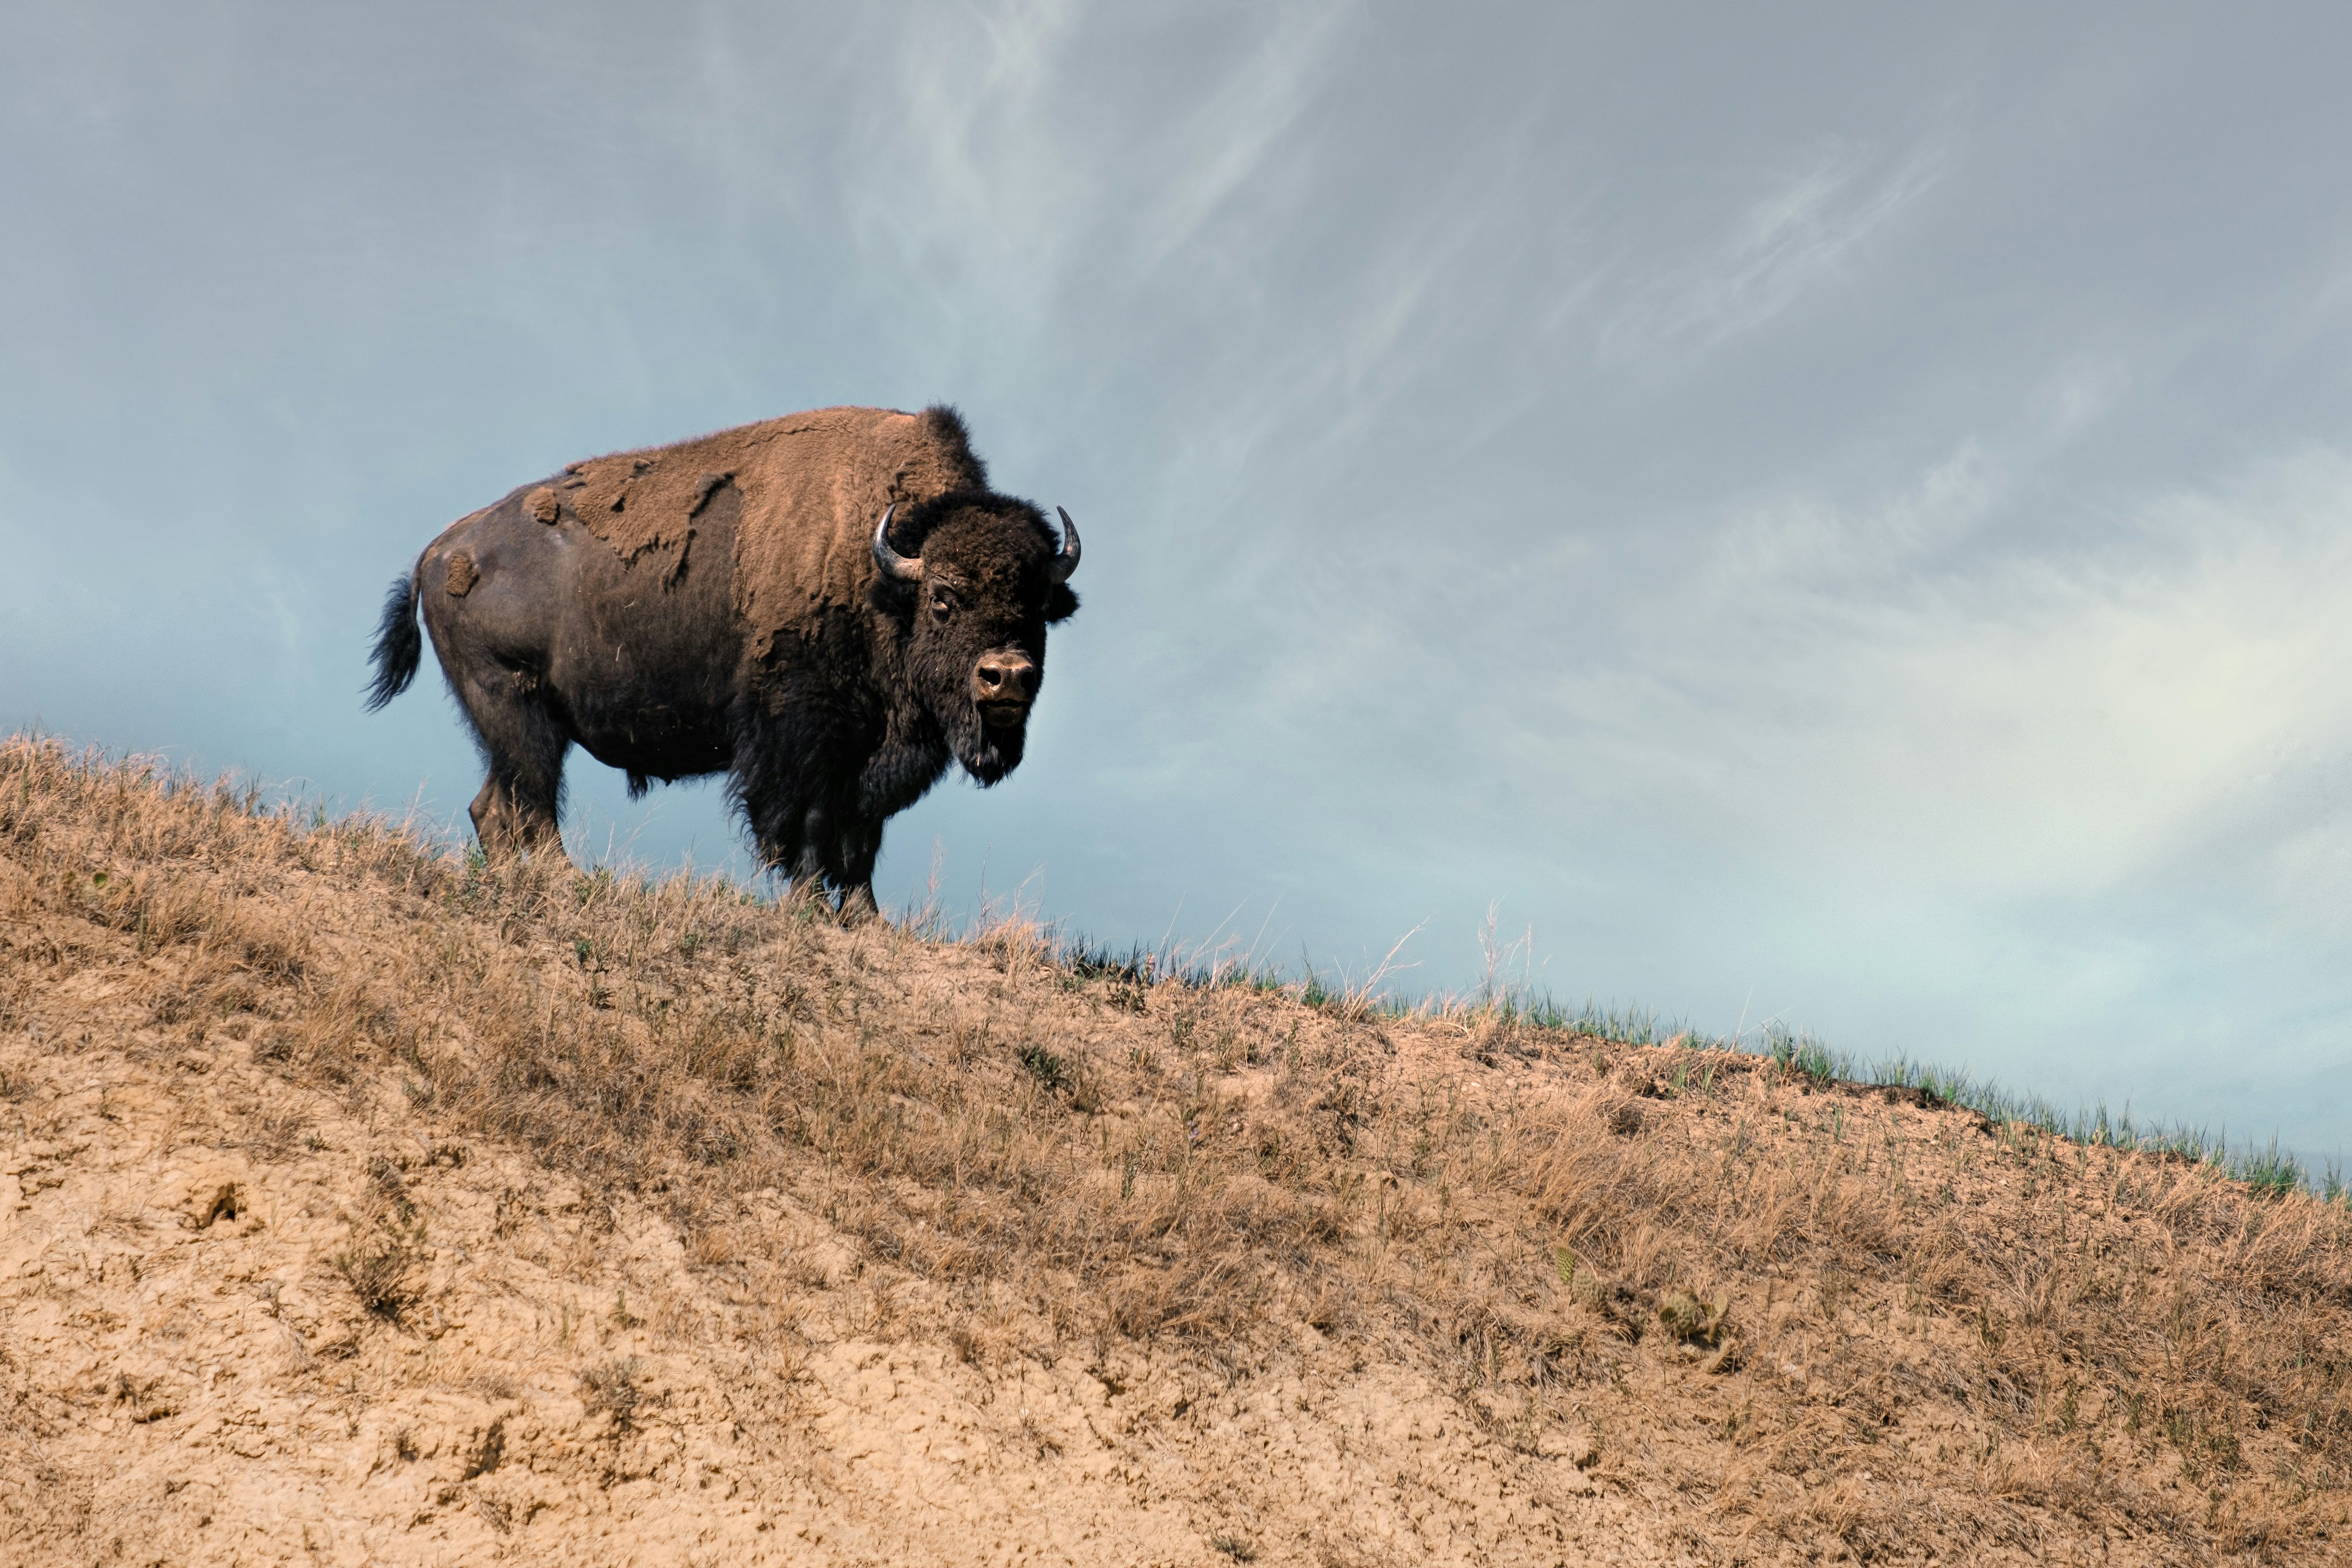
(358,1204)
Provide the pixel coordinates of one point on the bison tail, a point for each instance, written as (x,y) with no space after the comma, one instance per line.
(399,645)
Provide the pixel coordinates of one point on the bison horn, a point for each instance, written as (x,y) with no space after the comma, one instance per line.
(893,565)
(1065,561)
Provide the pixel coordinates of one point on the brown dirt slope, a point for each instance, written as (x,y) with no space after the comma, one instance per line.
(364,1206)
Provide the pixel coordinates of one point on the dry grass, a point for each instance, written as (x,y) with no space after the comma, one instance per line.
(1799,1316)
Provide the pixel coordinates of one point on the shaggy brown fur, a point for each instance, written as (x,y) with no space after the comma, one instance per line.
(813,485)
(716,605)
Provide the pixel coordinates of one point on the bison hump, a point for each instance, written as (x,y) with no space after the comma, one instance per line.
(811,487)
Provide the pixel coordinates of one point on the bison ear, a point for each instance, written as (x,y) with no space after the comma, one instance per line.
(1060,604)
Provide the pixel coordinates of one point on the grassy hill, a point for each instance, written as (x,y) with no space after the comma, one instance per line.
(363,1204)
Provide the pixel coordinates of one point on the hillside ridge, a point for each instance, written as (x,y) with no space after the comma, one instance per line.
(364,1203)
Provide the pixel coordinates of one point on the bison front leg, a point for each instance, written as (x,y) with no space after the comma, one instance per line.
(860,844)
(831,851)
(808,826)
(792,839)
(838,854)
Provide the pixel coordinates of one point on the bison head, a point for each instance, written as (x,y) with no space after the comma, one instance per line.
(974,605)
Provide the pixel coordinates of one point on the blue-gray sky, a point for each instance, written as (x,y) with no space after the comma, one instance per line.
(1835,514)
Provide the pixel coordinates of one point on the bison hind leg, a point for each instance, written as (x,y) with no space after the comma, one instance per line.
(510,822)
(520,805)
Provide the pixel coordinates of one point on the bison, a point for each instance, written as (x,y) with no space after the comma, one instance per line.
(826,608)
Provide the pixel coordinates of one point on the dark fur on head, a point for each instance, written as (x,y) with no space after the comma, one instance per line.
(985,558)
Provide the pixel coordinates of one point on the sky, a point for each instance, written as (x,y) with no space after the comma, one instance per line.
(1835,517)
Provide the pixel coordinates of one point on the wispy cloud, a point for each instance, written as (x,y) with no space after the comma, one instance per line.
(1806,546)
(971,109)
(1875,688)
(1803,233)
(1226,140)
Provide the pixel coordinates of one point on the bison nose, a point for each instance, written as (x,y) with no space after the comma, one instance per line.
(1009,677)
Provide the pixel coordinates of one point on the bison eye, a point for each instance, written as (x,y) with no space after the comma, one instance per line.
(944,605)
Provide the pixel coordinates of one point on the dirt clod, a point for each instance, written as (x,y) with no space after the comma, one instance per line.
(224,1206)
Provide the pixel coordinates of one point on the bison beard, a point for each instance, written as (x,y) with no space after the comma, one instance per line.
(731,604)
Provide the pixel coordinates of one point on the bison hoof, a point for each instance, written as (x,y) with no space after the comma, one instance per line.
(857,907)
